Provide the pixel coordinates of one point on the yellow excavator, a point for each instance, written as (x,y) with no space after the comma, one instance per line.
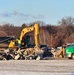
(26,30)
(27,53)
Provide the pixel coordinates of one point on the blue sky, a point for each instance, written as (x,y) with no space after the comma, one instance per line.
(18,12)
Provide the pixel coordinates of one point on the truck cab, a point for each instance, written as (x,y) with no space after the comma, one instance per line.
(70,51)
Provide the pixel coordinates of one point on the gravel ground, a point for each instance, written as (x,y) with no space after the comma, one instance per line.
(40,67)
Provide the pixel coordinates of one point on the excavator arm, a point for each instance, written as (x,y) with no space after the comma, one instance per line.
(36,35)
(34,28)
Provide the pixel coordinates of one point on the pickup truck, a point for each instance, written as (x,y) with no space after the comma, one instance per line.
(69,50)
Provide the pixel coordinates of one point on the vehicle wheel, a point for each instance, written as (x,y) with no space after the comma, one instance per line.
(69,57)
(72,56)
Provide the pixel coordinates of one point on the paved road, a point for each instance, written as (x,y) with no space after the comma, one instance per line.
(33,67)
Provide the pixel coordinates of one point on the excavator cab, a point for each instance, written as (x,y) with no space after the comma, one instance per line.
(26,42)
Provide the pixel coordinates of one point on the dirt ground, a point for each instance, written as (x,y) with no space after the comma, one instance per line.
(34,67)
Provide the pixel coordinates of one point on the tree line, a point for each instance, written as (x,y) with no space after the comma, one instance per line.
(50,35)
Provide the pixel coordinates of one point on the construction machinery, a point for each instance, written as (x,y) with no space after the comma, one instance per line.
(59,52)
(26,30)
(26,52)
(67,51)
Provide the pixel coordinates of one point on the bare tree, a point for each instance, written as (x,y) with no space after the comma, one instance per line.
(67,28)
